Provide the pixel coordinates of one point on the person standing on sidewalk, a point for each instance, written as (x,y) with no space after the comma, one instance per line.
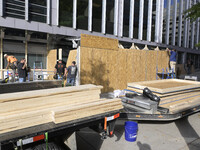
(71,72)
(172,60)
(22,70)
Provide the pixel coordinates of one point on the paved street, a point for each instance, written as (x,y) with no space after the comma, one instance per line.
(183,134)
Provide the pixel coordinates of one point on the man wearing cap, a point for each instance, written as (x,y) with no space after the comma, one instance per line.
(71,72)
(59,69)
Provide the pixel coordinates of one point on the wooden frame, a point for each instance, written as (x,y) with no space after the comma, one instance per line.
(166,86)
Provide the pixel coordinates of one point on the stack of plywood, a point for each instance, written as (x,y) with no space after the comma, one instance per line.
(26,109)
(176,95)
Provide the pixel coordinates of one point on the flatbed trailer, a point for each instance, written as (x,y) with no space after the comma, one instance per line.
(36,136)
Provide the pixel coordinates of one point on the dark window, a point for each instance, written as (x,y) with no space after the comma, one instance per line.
(66,13)
(82,14)
(97,15)
(110,16)
(126,18)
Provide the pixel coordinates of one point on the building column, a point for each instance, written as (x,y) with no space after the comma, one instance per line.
(1,54)
(121,16)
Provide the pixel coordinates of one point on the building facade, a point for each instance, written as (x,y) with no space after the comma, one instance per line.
(29,28)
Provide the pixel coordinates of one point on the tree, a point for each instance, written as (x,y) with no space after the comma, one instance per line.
(193,14)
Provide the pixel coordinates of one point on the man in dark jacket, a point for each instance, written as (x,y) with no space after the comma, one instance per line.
(59,69)
(22,70)
(71,72)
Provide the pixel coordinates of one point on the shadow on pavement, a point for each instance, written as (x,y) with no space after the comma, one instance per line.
(186,131)
(143,146)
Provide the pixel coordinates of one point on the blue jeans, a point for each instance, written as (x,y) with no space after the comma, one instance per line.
(71,81)
(60,77)
(22,80)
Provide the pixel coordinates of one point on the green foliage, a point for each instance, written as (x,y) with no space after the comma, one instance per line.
(193,14)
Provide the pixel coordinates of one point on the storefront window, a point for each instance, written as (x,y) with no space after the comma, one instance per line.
(136,19)
(82,14)
(66,12)
(126,18)
(110,16)
(97,15)
(37,53)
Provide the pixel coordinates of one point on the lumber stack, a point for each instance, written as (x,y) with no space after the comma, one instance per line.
(26,109)
(176,95)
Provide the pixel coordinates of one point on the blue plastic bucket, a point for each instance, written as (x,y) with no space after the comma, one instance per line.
(131,129)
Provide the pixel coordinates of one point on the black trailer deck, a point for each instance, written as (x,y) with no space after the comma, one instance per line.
(25,136)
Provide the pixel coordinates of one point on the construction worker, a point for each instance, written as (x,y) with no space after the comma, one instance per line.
(172,60)
(59,70)
(12,63)
(71,72)
(22,70)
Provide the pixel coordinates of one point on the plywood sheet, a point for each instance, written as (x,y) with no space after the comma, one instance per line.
(98,42)
(51,59)
(130,65)
(166,86)
(72,57)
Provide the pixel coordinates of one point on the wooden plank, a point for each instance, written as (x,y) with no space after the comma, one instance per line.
(166,86)
(46,92)
(98,42)
(71,57)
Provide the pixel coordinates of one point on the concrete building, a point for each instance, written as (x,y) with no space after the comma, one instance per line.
(30,28)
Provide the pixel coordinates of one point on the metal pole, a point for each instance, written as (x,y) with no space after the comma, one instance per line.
(90,15)
(131,18)
(116,18)
(167,22)
(157,21)
(120,19)
(149,22)
(188,29)
(180,22)
(197,34)
(26,45)
(174,23)
(103,24)
(48,11)
(141,15)
(1,8)
(161,20)
(57,15)
(26,10)
(1,55)
(74,13)
(192,31)
(185,25)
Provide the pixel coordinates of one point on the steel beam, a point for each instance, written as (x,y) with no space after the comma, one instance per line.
(103,22)
(157,24)
(48,12)
(180,23)
(116,17)
(188,29)
(149,21)
(141,16)
(121,17)
(161,20)
(167,22)
(1,8)
(185,25)
(90,15)
(192,31)
(26,10)
(57,13)
(74,13)
(131,18)
(174,22)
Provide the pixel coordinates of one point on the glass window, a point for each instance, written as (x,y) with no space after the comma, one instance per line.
(145,19)
(97,15)
(153,21)
(38,10)
(82,14)
(110,16)
(136,19)
(37,52)
(66,13)
(15,9)
(126,18)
